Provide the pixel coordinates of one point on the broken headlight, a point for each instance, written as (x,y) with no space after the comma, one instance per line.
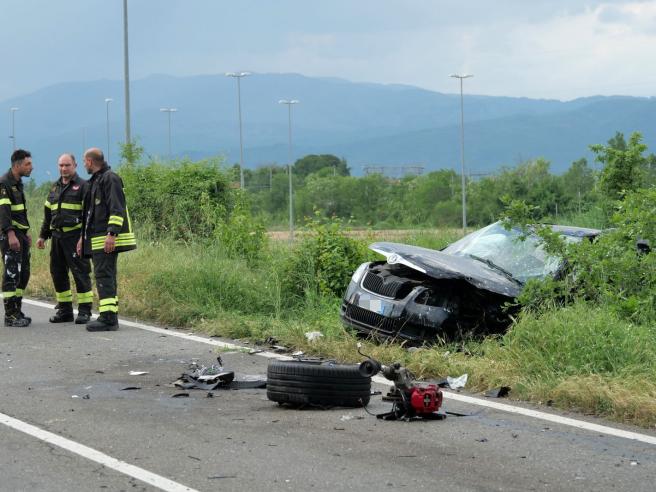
(359,273)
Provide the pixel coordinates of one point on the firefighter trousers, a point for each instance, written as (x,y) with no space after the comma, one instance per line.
(104,270)
(16,273)
(64,259)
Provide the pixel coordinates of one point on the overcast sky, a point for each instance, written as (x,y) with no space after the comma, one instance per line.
(559,49)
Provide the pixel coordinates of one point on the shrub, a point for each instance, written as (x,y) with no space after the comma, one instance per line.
(324,260)
(185,200)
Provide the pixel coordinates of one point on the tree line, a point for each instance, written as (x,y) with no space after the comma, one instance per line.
(323,183)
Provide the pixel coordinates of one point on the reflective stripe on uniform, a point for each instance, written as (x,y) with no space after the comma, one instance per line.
(109,304)
(18,208)
(66,296)
(84,297)
(47,204)
(126,239)
(72,228)
(5,201)
(104,309)
(65,206)
(7,295)
(19,225)
(19,292)
(115,220)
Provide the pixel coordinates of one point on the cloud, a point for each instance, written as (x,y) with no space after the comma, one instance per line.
(633,16)
(536,48)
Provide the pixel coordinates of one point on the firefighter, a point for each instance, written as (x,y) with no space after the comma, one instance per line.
(106,231)
(15,239)
(62,222)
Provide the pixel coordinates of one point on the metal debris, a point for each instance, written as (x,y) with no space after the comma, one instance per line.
(209,378)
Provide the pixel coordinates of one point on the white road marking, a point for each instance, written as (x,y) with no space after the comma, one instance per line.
(94,455)
(504,407)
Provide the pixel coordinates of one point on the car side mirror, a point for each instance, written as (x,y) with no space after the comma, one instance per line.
(643,246)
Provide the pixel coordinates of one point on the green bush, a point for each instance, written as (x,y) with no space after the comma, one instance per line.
(192,201)
(185,200)
(324,260)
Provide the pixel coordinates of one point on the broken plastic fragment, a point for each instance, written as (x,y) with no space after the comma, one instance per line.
(313,335)
(500,392)
(138,373)
(456,383)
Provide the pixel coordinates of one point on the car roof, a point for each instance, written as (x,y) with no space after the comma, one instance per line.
(575,231)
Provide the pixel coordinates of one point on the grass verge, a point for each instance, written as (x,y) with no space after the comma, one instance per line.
(579,358)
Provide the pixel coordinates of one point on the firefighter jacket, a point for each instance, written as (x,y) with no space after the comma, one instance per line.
(105,212)
(13,214)
(62,213)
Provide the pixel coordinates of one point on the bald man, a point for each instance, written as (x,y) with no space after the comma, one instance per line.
(106,231)
(62,221)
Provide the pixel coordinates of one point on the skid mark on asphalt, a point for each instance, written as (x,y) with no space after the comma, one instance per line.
(504,407)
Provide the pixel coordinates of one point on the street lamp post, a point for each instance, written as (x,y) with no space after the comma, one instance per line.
(107,101)
(462,151)
(13,127)
(289,103)
(169,111)
(238,76)
(126,72)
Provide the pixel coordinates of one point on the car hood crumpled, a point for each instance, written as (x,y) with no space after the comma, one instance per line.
(440,266)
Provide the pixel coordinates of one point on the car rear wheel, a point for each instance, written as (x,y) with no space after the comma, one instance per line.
(314,383)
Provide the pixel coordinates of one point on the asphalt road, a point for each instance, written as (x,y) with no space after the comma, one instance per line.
(65,381)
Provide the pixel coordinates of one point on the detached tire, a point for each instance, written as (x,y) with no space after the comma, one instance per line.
(312,383)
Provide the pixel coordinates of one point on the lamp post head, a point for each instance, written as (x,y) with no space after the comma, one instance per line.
(13,109)
(168,110)
(288,101)
(237,74)
(461,76)
(108,100)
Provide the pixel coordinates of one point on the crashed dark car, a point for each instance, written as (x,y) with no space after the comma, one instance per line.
(464,290)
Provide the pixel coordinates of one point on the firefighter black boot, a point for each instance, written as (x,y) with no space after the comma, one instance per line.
(83,313)
(12,314)
(64,313)
(19,303)
(107,321)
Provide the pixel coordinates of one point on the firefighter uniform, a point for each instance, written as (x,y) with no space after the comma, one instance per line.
(105,212)
(62,222)
(13,216)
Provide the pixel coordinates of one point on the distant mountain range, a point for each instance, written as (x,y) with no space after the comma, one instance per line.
(367,124)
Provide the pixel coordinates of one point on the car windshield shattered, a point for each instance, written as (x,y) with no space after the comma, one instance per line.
(506,252)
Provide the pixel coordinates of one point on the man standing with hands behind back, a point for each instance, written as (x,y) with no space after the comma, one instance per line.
(63,222)
(106,231)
